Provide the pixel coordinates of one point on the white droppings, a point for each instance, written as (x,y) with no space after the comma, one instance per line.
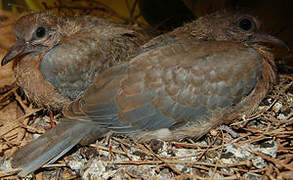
(277,106)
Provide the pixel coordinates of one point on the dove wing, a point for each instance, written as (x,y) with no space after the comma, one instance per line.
(171,83)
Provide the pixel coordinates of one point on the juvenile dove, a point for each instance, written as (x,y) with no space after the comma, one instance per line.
(179,84)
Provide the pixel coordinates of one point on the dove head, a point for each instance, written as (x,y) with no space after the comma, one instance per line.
(35,33)
(232,26)
(37,29)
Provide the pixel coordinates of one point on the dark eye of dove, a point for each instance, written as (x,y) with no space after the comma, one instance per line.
(40,32)
(246,24)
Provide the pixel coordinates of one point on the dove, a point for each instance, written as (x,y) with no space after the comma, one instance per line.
(179,84)
(59,56)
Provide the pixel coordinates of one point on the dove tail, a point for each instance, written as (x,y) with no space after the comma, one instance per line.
(51,145)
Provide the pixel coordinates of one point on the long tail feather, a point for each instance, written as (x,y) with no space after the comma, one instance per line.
(51,145)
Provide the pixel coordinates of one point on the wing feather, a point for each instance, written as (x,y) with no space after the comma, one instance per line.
(175,83)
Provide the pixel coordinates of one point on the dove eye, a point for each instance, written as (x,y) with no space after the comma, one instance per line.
(40,32)
(246,24)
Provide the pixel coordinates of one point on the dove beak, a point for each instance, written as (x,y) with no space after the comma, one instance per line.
(16,50)
(265,38)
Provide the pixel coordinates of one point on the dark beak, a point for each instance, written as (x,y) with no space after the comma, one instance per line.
(265,38)
(15,51)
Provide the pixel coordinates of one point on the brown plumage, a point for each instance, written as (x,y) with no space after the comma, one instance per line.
(174,86)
